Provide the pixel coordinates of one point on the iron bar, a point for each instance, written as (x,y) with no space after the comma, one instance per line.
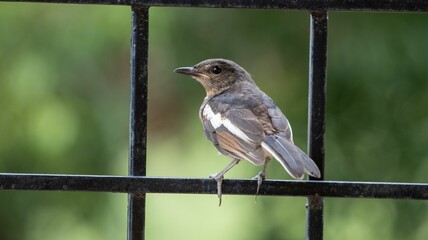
(362,5)
(316,116)
(128,184)
(338,5)
(138,118)
(101,2)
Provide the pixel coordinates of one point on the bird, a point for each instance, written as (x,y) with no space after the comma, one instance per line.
(244,123)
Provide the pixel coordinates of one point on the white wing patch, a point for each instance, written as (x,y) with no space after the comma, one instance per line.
(216,121)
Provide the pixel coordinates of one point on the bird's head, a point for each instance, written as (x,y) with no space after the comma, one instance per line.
(216,75)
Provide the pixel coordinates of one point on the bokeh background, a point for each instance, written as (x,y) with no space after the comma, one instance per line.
(64,105)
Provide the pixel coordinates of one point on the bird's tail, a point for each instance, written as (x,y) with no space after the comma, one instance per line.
(294,160)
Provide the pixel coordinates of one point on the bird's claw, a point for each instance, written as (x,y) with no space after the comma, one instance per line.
(219,179)
(259,177)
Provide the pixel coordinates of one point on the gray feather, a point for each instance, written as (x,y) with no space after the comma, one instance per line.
(287,155)
(280,123)
(291,157)
(238,148)
(310,167)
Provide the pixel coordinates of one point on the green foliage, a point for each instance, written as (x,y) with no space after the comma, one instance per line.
(64,86)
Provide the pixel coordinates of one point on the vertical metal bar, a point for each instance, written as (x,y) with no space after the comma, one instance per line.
(138,117)
(316,121)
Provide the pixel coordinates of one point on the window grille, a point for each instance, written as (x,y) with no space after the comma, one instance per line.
(137,184)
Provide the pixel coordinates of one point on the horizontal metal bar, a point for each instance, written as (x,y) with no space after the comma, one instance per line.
(125,184)
(368,5)
(343,5)
(102,2)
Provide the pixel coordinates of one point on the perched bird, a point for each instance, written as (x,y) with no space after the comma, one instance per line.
(244,123)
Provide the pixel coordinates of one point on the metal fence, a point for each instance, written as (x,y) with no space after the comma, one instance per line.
(137,184)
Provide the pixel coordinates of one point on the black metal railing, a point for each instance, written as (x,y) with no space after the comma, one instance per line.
(137,185)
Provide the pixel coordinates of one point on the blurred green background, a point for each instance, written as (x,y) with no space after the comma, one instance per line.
(64,104)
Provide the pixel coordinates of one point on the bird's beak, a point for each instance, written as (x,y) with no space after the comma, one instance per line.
(186,70)
(191,71)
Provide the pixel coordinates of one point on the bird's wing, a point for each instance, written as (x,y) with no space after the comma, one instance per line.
(236,133)
(280,123)
(281,146)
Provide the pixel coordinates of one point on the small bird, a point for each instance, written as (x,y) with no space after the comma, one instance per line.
(244,123)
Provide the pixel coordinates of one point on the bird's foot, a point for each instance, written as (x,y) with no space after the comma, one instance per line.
(259,177)
(219,179)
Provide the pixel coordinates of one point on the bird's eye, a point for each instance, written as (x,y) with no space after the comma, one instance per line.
(216,70)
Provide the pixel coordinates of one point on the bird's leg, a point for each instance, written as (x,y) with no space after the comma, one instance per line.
(260,177)
(218,177)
